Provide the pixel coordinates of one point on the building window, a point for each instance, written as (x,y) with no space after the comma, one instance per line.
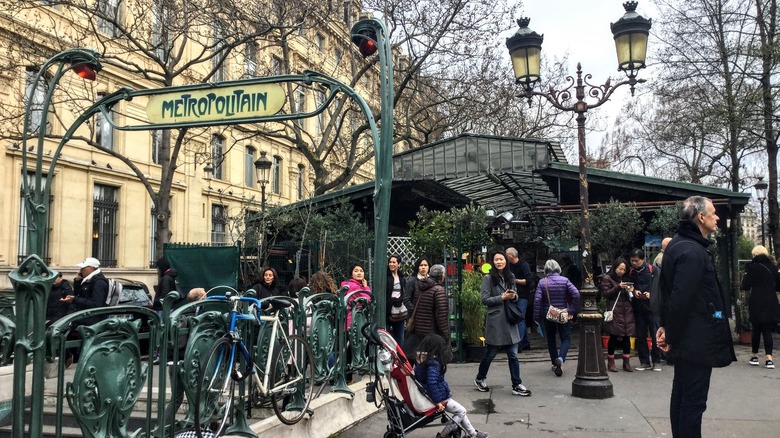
(152,240)
(276,66)
(157,140)
(218,223)
(104,130)
(348,13)
(35,94)
(300,104)
(320,41)
(276,175)
(321,116)
(249,167)
(218,42)
(23,249)
(301,188)
(160,17)
(104,215)
(108,16)
(250,59)
(217,146)
(301,31)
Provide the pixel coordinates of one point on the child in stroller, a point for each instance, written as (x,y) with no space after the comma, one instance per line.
(408,407)
(433,355)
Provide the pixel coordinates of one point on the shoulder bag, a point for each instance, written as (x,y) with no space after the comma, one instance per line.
(609,314)
(410,324)
(554,314)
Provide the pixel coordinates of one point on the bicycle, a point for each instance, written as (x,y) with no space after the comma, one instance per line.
(287,377)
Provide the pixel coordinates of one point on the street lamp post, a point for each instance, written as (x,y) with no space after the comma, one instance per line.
(761,187)
(262,169)
(630,34)
(32,280)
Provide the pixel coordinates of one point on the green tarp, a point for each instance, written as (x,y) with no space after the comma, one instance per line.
(203,266)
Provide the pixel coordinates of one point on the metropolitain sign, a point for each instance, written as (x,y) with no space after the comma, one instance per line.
(216,104)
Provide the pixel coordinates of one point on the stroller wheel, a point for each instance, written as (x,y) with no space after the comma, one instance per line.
(391,434)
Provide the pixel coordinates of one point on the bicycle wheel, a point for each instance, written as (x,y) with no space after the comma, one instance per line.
(215,389)
(292,377)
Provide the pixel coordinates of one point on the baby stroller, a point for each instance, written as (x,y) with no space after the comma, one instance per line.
(407,406)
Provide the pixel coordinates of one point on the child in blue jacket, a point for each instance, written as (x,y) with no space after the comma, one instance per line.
(433,355)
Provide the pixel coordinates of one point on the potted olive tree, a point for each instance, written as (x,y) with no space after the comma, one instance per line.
(473,313)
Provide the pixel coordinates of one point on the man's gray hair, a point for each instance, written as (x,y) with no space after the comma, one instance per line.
(436,272)
(551,266)
(692,207)
(511,252)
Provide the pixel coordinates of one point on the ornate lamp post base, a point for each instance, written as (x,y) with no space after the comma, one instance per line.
(591,380)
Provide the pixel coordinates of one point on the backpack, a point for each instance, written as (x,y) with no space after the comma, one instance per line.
(114,292)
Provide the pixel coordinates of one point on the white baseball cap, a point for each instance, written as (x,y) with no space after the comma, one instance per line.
(90,261)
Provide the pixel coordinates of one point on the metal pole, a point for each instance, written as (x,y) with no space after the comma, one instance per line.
(761,202)
(383,159)
(262,212)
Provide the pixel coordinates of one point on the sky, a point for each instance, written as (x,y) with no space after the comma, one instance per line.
(581,28)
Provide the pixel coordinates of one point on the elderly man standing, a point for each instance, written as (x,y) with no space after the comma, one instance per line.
(694,325)
(90,289)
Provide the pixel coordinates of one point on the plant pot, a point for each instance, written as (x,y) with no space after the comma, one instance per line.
(745,338)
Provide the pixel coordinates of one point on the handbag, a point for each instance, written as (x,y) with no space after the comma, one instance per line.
(609,314)
(410,324)
(554,314)
(512,312)
(398,313)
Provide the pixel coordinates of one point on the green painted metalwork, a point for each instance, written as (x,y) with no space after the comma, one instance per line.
(204,329)
(361,308)
(322,332)
(109,378)
(7,333)
(375,30)
(32,282)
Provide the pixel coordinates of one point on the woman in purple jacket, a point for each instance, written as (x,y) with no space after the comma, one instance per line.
(563,295)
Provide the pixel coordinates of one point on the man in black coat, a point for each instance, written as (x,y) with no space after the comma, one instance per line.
(524,281)
(694,321)
(90,289)
(55,307)
(641,274)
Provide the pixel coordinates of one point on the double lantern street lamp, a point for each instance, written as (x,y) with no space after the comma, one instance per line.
(630,33)
(761,187)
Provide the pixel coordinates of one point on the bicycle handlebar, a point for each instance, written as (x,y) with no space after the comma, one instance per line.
(275,302)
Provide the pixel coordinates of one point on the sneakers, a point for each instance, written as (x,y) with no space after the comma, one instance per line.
(481,386)
(520,390)
(556,368)
(644,367)
(656,366)
(754,361)
(478,434)
(769,364)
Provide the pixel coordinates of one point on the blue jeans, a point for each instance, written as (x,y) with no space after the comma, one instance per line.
(511,354)
(564,332)
(522,303)
(397,329)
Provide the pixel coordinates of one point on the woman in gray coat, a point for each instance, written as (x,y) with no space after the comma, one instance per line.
(497,287)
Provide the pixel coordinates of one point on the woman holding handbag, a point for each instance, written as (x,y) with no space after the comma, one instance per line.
(617,292)
(555,292)
(497,287)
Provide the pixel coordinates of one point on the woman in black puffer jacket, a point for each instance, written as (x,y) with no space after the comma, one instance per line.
(762,280)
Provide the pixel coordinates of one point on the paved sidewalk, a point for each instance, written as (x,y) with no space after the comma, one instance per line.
(742,402)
